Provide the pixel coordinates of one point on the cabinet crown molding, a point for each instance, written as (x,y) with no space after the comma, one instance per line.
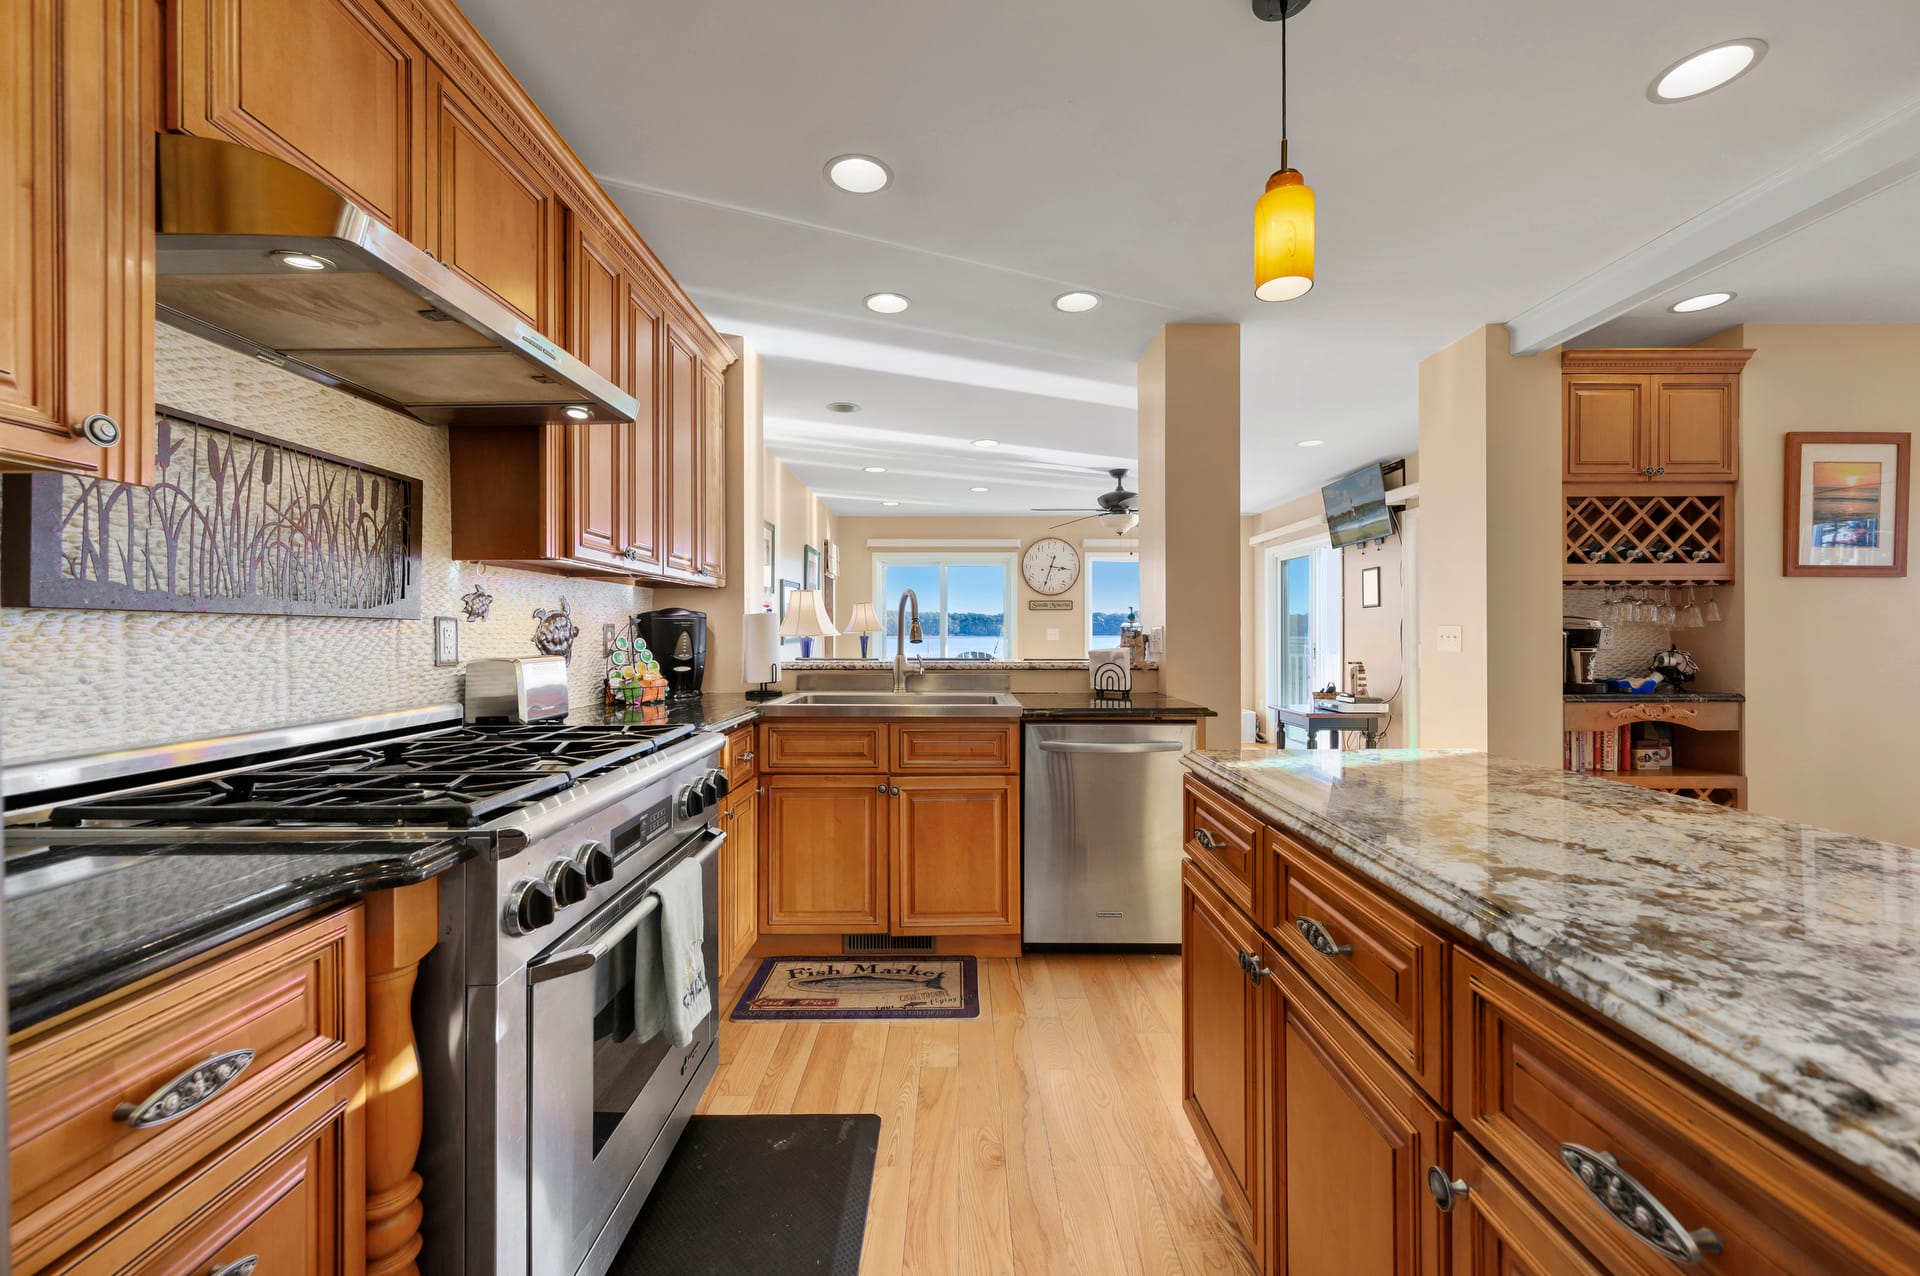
(1655,359)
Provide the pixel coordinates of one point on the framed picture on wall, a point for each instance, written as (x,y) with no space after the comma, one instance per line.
(769,582)
(1369,586)
(1846,504)
(809,568)
(833,561)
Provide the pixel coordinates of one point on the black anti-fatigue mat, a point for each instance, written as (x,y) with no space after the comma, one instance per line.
(758,1195)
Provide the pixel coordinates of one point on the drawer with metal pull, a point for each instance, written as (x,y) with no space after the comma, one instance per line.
(115,1101)
(1645,1170)
(1374,958)
(741,757)
(1223,840)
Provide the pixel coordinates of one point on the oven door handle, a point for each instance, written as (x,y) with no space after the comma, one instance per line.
(571,961)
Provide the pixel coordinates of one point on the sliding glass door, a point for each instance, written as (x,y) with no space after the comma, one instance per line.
(1303,628)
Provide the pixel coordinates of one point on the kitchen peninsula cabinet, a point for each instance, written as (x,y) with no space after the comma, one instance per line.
(76,325)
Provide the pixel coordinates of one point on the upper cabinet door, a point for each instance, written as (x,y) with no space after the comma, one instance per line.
(76,235)
(1696,426)
(644,333)
(682,457)
(334,86)
(492,215)
(597,453)
(713,474)
(1604,432)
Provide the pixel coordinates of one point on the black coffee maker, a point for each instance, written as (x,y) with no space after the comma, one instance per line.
(678,640)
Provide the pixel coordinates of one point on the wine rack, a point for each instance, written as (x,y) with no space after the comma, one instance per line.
(1666,535)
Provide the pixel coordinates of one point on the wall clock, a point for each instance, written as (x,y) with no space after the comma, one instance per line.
(1050,566)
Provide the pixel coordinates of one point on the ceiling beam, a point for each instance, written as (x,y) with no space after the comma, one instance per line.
(1853,168)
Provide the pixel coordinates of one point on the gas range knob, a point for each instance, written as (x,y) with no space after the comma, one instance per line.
(529,906)
(689,802)
(568,882)
(595,862)
(713,787)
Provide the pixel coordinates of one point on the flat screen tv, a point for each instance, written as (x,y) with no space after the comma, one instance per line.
(1357,508)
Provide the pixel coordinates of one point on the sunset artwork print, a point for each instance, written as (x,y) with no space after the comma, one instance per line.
(1846,504)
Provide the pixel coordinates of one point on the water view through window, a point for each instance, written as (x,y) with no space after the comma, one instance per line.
(963,609)
(1113,593)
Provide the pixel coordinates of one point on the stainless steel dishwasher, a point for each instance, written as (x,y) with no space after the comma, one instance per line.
(1101,833)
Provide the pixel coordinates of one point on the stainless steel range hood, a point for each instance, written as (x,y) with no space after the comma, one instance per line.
(261,257)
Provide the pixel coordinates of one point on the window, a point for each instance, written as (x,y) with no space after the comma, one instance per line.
(1113,594)
(966,603)
(1303,627)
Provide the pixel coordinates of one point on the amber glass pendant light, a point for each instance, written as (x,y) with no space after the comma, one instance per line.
(1283,219)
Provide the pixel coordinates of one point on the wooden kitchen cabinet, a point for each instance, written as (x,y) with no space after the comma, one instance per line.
(739,878)
(77,169)
(682,462)
(644,330)
(599,468)
(824,866)
(713,474)
(492,214)
(1221,1056)
(335,87)
(955,854)
(1498,1230)
(1639,416)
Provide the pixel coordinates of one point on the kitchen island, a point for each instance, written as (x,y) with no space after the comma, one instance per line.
(1721,1002)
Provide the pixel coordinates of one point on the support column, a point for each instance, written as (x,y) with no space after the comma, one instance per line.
(1190,514)
(402,927)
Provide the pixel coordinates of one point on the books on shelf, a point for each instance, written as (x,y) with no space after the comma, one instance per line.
(1641,746)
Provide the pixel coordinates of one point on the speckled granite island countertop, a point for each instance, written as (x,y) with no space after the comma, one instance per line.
(1780,960)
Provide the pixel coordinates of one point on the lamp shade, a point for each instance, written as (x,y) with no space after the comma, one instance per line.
(760,647)
(1283,238)
(863,621)
(807,616)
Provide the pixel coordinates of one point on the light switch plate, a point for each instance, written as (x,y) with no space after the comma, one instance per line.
(606,639)
(1449,639)
(446,640)
(1053,635)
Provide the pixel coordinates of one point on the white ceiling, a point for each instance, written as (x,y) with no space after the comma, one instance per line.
(1472,162)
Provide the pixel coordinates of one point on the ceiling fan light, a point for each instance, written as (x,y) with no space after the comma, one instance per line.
(1283,238)
(1120,522)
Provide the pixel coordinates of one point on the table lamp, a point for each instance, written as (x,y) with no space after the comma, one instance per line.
(864,623)
(807,619)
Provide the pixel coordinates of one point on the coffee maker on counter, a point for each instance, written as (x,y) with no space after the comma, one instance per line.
(1582,654)
(678,639)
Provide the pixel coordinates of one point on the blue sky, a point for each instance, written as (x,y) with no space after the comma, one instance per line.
(1113,585)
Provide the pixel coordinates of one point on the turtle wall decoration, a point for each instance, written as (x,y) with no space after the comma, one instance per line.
(555,632)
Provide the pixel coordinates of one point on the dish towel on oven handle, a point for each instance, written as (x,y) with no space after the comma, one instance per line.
(670,969)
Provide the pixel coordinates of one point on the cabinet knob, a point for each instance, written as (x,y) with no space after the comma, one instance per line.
(99,429)
(1446,1192)
(894,791)
(881,789)
(1634,1207)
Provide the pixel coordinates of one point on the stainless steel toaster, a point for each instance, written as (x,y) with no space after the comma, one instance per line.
(516,689)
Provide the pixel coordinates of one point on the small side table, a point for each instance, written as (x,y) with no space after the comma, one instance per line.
(1313,721)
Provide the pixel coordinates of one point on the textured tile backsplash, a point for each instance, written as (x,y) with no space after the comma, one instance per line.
(88,681)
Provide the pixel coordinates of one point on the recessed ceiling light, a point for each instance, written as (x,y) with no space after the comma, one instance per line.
(843,406)
(300,260)
(986,442)
(1075,302)
(887,303)
(875,469)
(889,502)
(977,489)
(1313,442)
(578,413)
(859,174)
(1707,70)
(1705,301)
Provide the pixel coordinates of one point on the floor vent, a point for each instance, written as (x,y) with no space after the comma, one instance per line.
(892,945)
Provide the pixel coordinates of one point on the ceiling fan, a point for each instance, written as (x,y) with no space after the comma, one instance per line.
(1118,510)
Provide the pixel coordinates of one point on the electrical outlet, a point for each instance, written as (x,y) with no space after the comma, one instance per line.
(1606,638)
(446,640)
(1449,639)
(606,640)
(1053,635)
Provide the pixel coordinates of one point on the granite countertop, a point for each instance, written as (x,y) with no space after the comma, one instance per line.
(1781,960)
(956,666)
(81,923)
(709,711)
(1040,706)
(1653,697)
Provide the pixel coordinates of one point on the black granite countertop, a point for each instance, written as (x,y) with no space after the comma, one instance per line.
(709,711)
(1149,706)
(1657,697)
(81,923)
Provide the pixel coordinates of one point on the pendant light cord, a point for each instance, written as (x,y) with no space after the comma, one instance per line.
(1284,6)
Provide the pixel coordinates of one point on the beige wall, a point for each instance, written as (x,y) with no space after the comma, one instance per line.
(1488,553)
(1030,627)
(1809,756)
(1190,542)
(91,681)
(800,518)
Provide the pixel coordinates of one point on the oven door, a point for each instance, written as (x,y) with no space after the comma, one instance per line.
(601,1096)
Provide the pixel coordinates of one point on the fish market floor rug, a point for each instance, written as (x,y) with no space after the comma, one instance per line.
(862,988)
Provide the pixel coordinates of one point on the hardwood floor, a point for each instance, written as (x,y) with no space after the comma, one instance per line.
(1044,1137)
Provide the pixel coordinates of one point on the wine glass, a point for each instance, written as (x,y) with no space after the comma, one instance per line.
(1713,608)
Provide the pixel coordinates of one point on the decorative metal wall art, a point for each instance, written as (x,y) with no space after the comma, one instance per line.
(476,602)
(234,523)
(555,633)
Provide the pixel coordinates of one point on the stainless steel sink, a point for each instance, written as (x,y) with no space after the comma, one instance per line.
(893,704)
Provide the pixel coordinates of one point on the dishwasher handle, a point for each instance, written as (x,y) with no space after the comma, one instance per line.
(1113,746)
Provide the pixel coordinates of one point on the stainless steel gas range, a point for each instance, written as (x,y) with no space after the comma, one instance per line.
(547,1116)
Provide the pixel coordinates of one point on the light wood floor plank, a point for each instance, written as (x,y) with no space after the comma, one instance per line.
(985,1243)
(1033,1204)
(933,1191)
(860,1083)
(819,1088)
